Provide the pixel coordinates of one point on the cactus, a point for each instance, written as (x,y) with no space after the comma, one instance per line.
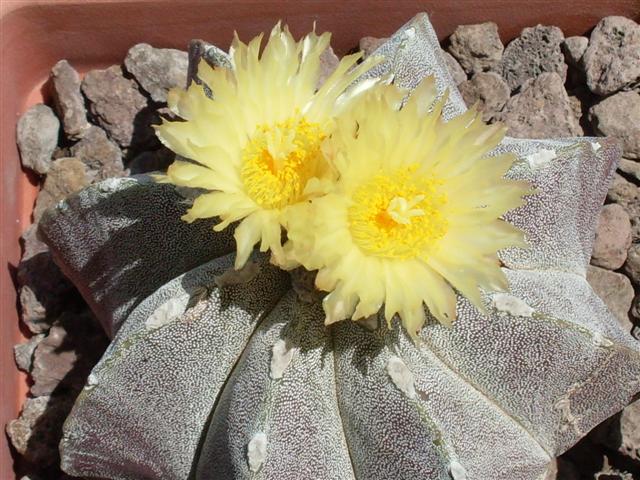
(221,374)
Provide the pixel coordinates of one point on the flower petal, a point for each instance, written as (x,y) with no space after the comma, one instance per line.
(247,234)
(229,206)
(189,174)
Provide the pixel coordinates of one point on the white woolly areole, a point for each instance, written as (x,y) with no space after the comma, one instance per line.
(167,313)
(563,405)
(507,303)
(541,158)
(401,376)
(109,185)
(457,471)
(235,277)
(281,356)
(92,381)
(257,451)
(596,146)
(601,341)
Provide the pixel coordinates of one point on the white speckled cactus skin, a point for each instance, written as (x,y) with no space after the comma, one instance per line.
(121,240)
(247,383)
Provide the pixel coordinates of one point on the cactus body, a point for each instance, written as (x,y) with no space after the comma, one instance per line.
(220,376)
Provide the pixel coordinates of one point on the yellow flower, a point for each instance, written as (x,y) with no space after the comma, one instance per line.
(415,213)
(257,145)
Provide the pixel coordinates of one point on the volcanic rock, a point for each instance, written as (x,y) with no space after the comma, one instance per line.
(37,137)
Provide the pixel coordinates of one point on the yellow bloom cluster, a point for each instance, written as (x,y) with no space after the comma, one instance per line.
(394,207)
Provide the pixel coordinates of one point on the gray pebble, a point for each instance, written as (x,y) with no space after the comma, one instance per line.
(43,289)
(627,195)
(60,361)
(478,47)
(157,70)
(535,51)
(613,237)
(630,432)
(37,137)
(632,265)
(31,244)
(630,167)
(635,314)
(102,156)
(68,100)
(66,176)
(117,104)
(612,59)
(23,352)
(541,110)
(619,116)
(455,70)
(616,292)
(489,90)
(36,433)
(369,44)
(574,48)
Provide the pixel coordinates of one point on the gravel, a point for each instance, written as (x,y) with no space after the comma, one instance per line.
(102,157)
(369,44)
(619,116)
(157,70)
(574,48)
(68,100)
(23,352)
(615,290)
(43,290)
(541,110)
(477,48)
(455,70)
(612,59)
(536,51)
(35,433)
(37,137)
(632,263)
(613,238)
(66,176)
(627,195)
(488,90)
(117,105)
(630,168)
(64,358)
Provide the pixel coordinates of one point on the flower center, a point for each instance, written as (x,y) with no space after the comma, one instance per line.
(397,215)
(279,160)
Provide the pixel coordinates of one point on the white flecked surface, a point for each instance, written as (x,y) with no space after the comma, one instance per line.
(526,385)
